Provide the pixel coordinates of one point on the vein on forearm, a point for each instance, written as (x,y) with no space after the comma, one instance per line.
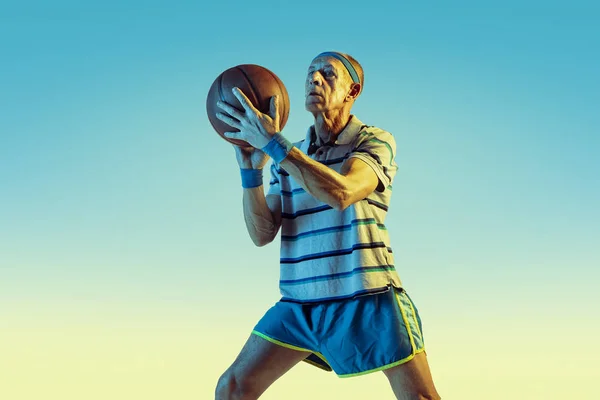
(320,181)
(257,215)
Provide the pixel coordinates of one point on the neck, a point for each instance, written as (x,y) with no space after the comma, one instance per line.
(329,125)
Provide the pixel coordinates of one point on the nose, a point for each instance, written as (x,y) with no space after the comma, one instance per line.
(315,78)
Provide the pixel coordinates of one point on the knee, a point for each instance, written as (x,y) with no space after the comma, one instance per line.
(433,396)
(230,386)
(227,387)
(420,395)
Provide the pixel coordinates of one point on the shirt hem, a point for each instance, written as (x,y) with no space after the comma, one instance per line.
(366,292)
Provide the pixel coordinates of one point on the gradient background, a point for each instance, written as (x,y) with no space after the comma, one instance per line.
(125,268)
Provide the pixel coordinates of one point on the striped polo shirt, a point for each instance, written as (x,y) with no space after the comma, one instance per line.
(328,254)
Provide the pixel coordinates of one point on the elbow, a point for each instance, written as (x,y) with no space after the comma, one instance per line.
(342,201)
(261,233)
(261,240)
(342,206)
(262,243)
(339,206)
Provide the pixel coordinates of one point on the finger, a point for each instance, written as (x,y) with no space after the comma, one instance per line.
(231,110)
(244,101)
(234,135)
(240,150)
(274,108)
(229,120)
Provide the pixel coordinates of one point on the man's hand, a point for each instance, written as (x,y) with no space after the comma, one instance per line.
(254,127)
(250,158)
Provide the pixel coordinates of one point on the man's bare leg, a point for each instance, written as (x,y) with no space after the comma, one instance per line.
(412,380)
(259,364)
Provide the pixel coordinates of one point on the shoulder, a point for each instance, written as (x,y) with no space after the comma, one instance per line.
(299,143)
(372,135)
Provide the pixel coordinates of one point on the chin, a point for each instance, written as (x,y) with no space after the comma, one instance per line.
(314,107)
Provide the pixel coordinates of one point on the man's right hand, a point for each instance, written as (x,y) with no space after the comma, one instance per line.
(249,157)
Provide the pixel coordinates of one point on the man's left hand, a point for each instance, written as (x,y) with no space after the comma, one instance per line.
(255,128)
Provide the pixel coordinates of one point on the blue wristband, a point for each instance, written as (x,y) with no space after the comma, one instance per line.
(251,178)
(278,148)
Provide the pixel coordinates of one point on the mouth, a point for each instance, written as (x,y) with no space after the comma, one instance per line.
(313,93)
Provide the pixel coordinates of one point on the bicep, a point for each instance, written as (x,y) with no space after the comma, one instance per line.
(361,179)
(274,204)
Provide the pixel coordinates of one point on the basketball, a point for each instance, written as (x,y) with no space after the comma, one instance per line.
(258,84)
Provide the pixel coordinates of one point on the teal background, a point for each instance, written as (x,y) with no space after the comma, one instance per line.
(125,268)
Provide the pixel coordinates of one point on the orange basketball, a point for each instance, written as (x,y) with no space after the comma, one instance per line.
(258,84)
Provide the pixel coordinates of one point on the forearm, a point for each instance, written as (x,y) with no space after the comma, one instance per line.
(322,182)
(258,217)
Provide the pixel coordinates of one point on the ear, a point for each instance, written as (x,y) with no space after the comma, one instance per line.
(354,91)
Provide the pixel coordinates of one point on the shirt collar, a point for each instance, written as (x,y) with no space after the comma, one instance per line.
(346,136)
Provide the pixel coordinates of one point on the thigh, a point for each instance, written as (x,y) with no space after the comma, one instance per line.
(260,363)
(412,380)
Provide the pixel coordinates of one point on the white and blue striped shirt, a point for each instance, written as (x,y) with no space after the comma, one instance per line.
(328,254)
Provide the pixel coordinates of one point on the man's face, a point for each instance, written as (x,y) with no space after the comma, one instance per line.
(327,85)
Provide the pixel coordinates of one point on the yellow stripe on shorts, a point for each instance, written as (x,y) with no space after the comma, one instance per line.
(410,321)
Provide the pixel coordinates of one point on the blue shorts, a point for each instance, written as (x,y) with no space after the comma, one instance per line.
(351,337)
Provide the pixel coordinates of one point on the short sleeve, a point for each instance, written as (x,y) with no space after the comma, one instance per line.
(274,184)
(377,148)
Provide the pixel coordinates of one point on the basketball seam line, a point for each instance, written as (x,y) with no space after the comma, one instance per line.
(280,91)
(255,101)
